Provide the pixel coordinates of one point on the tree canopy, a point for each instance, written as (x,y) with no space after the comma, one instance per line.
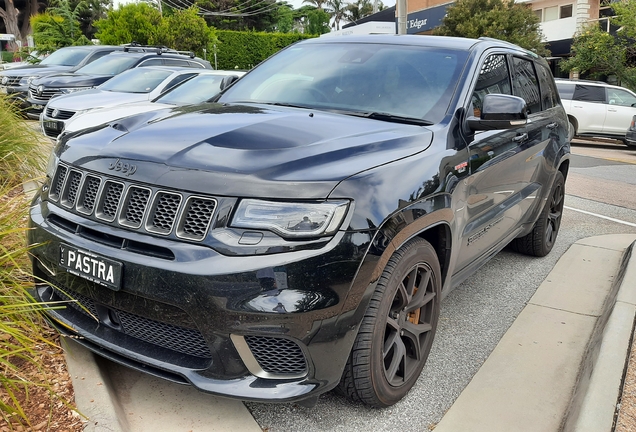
(597,54)
(500,19)
(133,22)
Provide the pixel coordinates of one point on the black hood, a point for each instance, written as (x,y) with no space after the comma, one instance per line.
(245,150)
(35,70)
(71,80)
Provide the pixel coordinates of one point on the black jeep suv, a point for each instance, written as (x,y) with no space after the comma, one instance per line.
(299,233)
(43,89)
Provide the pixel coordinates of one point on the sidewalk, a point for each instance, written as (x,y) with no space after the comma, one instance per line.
(558,367)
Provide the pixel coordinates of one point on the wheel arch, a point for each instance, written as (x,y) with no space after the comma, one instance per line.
(574,122)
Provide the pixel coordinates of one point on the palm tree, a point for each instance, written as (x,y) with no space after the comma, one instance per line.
(337,10)
(359,10)
(317,3)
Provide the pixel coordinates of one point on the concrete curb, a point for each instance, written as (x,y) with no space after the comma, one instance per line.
(560,364)
(93,391)
(601,381)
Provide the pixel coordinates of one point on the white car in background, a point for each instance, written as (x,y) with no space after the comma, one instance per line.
(135,85)
(194,91)
(597,109)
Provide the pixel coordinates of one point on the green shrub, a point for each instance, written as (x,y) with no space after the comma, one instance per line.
(7,56)
(244,50)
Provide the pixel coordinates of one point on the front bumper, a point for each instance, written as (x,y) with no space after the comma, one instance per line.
(270,332)
(630,138)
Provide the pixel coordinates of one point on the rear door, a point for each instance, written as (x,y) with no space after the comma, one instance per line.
(589,108)
(620,111)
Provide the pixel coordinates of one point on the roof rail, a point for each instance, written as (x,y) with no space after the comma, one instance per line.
(160,49)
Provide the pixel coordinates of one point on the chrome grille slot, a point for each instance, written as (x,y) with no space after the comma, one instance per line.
(13,81)
(61,114)
(70,190)
(58,182)
(110,198)
(196,218)
(134,207)
(88,195)
(163,213)
(45,96)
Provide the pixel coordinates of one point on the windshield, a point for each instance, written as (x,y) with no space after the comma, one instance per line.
(406,81)
(138,80)
(198,89)
(66,57)
(108,65)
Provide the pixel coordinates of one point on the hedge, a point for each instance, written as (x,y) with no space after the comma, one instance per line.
(244,49)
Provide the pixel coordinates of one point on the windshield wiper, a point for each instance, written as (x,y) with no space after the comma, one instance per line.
(387,117)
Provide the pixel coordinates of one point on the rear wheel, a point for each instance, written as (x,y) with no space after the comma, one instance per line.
(571,130)
(397,331)
(541,239)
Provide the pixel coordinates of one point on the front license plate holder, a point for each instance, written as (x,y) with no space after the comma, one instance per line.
(54,125)
(95,268)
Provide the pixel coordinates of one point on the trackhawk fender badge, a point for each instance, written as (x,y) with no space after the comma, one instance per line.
(124,167)
(479,234)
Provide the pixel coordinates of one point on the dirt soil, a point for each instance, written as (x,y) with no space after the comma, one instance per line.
(45,411)
(626,421)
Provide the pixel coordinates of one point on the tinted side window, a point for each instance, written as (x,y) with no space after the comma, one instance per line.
(566,90)
(493,78)
(97,55)
(549,94)
(589,93)
(196,65)
(175,62)
(525,84)
(152,62)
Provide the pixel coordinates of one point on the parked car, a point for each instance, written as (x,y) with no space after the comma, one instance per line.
(43,89)
(134,85)
(300,233)
(199,89)
(31,59)
(630,136)
(597,109)
(15,81)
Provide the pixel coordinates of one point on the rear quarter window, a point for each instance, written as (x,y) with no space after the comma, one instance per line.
(566,90)
(589,93)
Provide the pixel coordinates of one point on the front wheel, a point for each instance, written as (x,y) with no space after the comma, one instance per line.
(541,239)
(571,130)
(397,331)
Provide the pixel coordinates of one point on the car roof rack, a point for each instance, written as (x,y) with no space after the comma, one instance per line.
(159,49)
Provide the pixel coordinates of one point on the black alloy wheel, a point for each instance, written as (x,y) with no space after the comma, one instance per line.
(540,241)
(397,331)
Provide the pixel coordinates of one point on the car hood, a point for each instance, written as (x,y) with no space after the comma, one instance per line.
(95,98)
(244,150)
(34,70)
(105,115)
(71,80)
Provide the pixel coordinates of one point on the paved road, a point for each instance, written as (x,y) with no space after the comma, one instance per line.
(477,314)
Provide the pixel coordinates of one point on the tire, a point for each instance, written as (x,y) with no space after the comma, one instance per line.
(541,239)
(571,130)
(397,331)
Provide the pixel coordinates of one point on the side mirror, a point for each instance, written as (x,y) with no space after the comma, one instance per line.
(500,112)
(228,81)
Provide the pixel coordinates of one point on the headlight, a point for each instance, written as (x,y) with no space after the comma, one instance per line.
(50,165)
(74,89)
(27,80)
(290,219)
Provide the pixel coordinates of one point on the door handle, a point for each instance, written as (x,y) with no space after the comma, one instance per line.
(520,138)
(552,125)
(612,109)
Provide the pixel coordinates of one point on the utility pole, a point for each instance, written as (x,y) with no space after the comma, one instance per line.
(375,6)
(401,13)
